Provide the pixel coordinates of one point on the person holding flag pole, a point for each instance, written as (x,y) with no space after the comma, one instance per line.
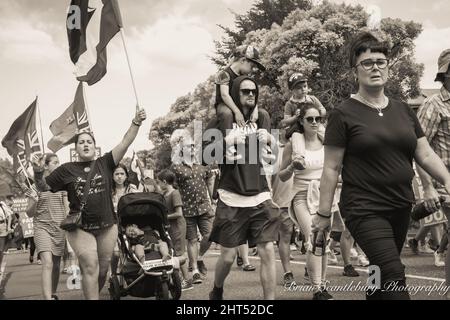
(93,241)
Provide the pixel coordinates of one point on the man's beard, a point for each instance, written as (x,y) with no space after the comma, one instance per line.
(249,105)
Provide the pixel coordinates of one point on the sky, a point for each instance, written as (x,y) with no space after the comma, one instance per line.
(169,43)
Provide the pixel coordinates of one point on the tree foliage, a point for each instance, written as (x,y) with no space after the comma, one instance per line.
(297,36)
(7,177)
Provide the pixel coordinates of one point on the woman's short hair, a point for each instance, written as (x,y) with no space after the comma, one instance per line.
(364,41)
(168,176)
(77,137)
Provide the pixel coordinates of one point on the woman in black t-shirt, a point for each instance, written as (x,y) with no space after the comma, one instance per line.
(374,140)
(94,242)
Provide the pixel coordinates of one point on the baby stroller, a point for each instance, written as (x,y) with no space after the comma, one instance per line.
(154,277)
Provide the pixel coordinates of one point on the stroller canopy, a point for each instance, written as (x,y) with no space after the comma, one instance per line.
(143,209)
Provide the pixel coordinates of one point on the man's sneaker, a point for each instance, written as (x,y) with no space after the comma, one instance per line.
(332,259)
(216,294)
(202,268)
(196,278)
(320,295)
(293,247)
(414,245)
(288,279)
(349,271)
(363,261)
(186,285)
(299,163)
(425,249)
(439,260)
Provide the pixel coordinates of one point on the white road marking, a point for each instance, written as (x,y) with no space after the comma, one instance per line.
(411,276)
(2,268)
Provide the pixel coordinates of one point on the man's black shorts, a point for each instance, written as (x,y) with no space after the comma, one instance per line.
(234,226)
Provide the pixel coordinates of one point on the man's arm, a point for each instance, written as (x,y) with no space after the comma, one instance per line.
(429,119)
(432,166)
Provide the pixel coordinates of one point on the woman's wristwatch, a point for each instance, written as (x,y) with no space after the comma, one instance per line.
(323,216)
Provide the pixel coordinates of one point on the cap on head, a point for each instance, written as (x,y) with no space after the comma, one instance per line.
(443,64)
(250,53)
(295,79)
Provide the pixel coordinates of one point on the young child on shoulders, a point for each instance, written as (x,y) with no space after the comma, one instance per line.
(245,61)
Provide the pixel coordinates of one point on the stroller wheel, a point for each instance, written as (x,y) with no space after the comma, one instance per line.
(175,285)
(163,291)
(114,288)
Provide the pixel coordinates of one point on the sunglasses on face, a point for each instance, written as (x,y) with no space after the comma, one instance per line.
(314,119)
(246,92)
(368,64)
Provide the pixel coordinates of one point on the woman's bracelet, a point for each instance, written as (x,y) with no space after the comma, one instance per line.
(136,123)
(323,216)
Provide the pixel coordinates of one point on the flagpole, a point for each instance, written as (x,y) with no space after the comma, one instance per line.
(122,35)
(40,125)
(87,108)
(24,172)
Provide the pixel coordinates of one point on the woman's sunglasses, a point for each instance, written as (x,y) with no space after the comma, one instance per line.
(314,119)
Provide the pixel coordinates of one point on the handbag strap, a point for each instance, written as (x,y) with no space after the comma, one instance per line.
(86,186)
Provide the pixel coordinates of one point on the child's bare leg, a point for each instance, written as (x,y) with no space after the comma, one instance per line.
(140,253)
(298,150)
(254,115)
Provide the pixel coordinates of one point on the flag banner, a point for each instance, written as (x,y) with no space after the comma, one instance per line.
(134,176)
(91,24)
(73,121)
(22,139)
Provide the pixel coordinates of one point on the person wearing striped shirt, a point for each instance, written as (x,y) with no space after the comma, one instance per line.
(49,211)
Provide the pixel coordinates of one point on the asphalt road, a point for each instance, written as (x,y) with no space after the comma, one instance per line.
(21,280)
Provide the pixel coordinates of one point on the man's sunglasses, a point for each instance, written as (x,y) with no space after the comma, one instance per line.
(246,92)
(368,64)
(314,119)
